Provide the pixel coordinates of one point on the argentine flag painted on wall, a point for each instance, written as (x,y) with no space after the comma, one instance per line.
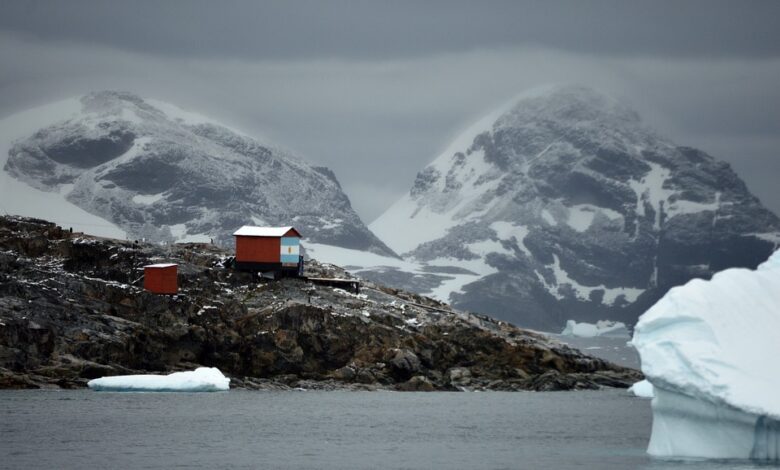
(290,250)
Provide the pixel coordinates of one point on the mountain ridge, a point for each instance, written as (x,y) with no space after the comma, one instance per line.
(163,174)
(575,209)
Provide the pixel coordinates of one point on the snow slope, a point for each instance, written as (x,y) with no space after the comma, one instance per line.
(710,348)
(431,224)
(19,198)
(566,206)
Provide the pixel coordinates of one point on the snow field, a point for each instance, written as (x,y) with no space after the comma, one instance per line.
(18,198)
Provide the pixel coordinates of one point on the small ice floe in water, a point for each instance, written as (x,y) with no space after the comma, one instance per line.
(642,389)
(202,379)
(710,350)
(600,328)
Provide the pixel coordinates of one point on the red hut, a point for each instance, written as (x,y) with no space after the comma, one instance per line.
(161,278)
(268,249)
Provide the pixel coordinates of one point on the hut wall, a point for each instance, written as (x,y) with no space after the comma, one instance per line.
(161,280)
(258,249)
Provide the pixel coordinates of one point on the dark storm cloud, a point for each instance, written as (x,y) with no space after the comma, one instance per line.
(356,29)
(375,90)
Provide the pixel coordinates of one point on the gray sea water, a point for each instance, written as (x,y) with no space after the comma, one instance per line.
(329,430)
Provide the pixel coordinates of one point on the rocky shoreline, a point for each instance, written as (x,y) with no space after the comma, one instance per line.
(72,309)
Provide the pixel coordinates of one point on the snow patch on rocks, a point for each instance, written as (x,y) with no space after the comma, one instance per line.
(591,330)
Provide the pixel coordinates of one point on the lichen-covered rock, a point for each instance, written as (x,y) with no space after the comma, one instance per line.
(418,383)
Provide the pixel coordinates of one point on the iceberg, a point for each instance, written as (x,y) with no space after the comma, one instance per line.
(590,330)
(202,379)
(642,389)
(710,348)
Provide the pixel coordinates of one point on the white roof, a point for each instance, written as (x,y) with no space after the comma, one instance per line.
(251,231)
(161,265)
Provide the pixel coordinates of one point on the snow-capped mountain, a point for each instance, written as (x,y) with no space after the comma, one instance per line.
(117,162)
(564,205)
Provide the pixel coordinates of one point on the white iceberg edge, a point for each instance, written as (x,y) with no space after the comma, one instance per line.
(642,389)
(709,350)
(202,379)
(688,427)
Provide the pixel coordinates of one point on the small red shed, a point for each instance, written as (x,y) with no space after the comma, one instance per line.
(161,278)
(264,249)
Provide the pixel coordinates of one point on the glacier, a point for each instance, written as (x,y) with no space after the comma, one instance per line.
(202,379)
(708,348)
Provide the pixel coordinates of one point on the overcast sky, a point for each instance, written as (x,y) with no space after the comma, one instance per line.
(375,90)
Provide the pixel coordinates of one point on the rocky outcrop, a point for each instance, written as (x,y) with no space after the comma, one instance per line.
(71,309)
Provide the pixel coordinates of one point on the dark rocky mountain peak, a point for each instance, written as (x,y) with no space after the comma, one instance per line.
(566,206)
